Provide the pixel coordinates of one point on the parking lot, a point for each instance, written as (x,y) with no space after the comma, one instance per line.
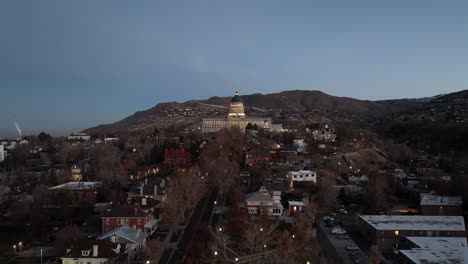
(336,243)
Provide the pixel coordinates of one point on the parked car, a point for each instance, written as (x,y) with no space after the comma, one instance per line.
(352,248)
(338,231)
(342,211)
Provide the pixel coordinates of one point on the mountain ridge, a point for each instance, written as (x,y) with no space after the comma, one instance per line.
(303,101)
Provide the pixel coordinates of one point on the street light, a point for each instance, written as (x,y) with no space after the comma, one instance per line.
(261,229)
(216,253)
(147,262)
(264,245)
(236,259)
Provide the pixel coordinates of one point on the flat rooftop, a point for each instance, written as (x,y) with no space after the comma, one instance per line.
(415,222)
(439,243)
(77,186)
(441,200)
(426,256)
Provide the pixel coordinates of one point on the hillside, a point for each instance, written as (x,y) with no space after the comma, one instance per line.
(440,125)
(312,105)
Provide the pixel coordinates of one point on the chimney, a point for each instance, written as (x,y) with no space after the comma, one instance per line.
(155,189)
(95,250)
(135,211)
(143,201)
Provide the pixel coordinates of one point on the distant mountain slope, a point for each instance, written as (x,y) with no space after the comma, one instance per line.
(440,125)
(191,112)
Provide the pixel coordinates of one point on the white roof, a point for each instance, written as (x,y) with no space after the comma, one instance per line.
(134,235)
(424,256)
(415,222)
(151,223)
(441,200)
(77,186)
(439,242)
(296,203)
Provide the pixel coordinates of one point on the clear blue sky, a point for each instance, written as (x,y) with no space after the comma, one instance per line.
(69,65)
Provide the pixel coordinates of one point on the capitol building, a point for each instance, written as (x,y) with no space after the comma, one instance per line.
(236,117)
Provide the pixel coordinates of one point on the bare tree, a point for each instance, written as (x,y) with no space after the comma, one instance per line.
(152,248)
(184,191)
(327,194)
(66,236)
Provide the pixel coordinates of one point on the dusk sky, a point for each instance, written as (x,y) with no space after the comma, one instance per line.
(69,65)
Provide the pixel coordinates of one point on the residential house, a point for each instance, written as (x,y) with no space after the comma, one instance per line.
(254,157)
(301,145)
(128,215)
(87,251)
(79,137)
(177,158)
(152,186)
(303,175)
(81,192)
(325,135)
(79,170)
(263,201)
(441,205)
(133,239)
(146,203)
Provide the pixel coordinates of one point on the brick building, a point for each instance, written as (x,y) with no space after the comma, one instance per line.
(441,205)
(386,231)
(125,215)
(177,158)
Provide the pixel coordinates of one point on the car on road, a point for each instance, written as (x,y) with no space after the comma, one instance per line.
(352,248)
(338,231)
(342,211)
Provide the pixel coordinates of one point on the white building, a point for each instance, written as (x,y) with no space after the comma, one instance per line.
(79,136)
(435,250)
(94,252)
(303,175)
(300,145)
(325,135)
(263,200)
(3,153)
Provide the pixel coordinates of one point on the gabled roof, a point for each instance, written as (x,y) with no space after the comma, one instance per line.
(258,197)
(126,211)
(106,249)
(133,235)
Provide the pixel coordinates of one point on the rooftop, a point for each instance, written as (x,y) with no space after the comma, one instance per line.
(134,235)
(439,242)
(426,256)
(105,249)
(415,222)
(126,211)
(77,186)
(441,200)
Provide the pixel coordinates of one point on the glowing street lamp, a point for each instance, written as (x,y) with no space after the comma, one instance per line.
(216,253)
